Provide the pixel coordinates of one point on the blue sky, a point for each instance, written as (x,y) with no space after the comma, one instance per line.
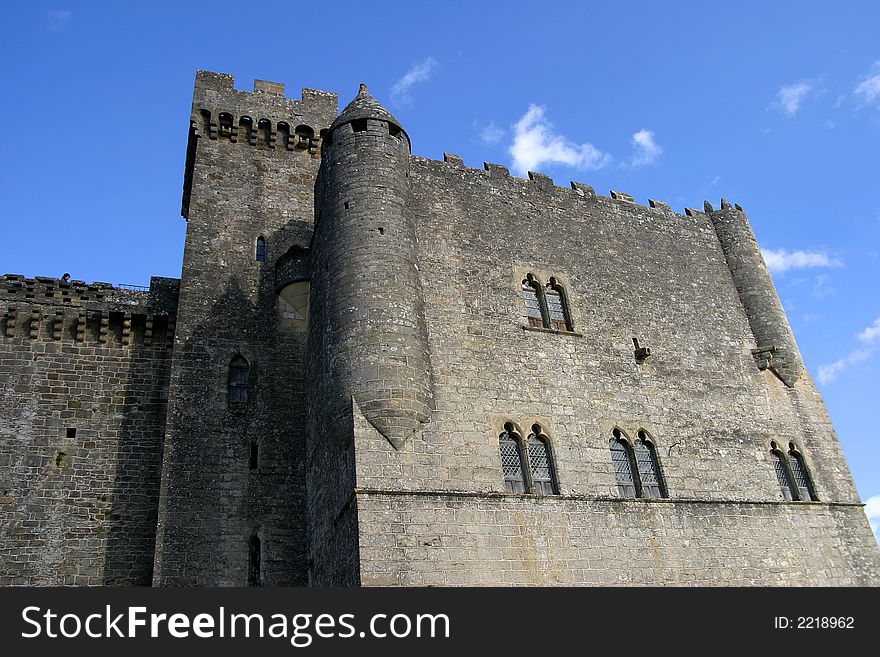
(775,106)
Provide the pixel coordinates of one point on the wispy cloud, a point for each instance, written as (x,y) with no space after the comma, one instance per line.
(790,97)
(868,90)
(400,92)
(781,260)
(534,144)
(59,18)
(869,339)
(872,510)
(647,150)
(491,133)
(821,287)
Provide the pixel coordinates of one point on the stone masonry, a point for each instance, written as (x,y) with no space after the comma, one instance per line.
(353,344)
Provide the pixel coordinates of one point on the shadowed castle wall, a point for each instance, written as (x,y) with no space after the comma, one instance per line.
(435,511)
(84,373)
(252,162)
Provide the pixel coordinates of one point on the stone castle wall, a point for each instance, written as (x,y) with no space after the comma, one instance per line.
(84,372)
(629,272)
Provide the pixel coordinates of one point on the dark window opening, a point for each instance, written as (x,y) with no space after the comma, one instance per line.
(512,461)
(541,465)
(305,136)
(225,122)
(253,461)
(534,307)
(239,373)
(394,130)
(359,125)
(624,466)
(648,465)
(557,307)
(71,432)
(255,575)
(806,493)
(261,249)
(782,475)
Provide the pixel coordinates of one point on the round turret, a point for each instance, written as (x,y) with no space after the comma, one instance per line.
(372,312)
(364,106)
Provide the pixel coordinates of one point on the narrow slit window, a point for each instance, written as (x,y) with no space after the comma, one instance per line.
(782,475)
(557,308)
(801,476)
(541,466)
(254,459)
(649,468)
(621,457)
(239,375)
(532,299)
(261,249)
(255,574)
(512,462)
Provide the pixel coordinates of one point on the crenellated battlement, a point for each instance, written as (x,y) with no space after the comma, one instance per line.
(543,182)
(57,310)
(214,90)
(264,118)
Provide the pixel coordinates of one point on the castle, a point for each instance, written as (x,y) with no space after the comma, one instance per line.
(381,369)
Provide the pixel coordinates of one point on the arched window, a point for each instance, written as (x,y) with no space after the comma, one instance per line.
(557,307)
(255,557)
(650,477)
(540,463)
(510,445)
(531,291)
(261,249)
(624,467)
(782,476)
(801,475)
(239,372)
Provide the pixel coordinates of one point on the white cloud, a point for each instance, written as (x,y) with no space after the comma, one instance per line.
(780,260)
(829,372)
(790,96)
(647,149)
(870,339)
(872,333)
(535,144)
(868,90)
(872,510)
(491,133)
(59,18)
(400,92)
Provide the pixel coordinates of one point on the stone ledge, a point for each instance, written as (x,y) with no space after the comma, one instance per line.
(538,329)
(491,495)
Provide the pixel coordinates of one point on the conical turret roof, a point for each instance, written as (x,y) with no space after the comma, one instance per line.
(364,106)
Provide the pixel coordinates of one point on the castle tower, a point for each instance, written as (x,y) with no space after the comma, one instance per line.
(232,507)
(373,309)
(777,348)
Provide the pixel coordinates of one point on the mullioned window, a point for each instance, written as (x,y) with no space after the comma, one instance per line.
(527,464)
